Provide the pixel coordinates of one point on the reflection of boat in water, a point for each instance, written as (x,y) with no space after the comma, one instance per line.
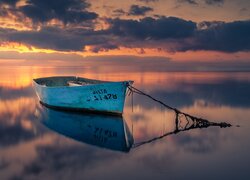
(109,132)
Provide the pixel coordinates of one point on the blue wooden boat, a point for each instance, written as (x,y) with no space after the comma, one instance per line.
(76,93)
(110,132)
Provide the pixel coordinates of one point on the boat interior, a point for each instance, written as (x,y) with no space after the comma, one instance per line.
(66,81)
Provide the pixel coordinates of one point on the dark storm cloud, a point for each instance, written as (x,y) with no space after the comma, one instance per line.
(226,37)
(214,2)
(148,1)
(55,38)
(207,2)
(119,12)
(104,47)
(136,10)
(193,2)
(5,11)
(9,2)
(243,10)
(161,28)
(217,36)
(67,11)
(168,33)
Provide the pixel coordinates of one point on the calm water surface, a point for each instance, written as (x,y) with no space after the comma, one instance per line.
(40,143)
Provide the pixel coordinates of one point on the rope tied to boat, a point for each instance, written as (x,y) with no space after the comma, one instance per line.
(188,117)
(196,121)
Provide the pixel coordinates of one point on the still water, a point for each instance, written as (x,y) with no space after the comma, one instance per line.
(41,143)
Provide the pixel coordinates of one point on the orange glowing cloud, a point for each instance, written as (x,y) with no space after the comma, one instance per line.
(20,47)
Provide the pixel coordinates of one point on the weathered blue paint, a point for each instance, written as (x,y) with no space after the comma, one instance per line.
(97,95)
(105,131)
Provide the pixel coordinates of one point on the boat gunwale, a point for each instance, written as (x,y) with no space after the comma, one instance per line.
(63,86)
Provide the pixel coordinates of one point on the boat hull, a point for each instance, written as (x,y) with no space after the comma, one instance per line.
(108,97)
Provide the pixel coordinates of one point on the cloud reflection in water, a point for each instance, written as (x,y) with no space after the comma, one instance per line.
(30,150)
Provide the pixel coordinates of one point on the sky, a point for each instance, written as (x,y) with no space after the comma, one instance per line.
(173,30)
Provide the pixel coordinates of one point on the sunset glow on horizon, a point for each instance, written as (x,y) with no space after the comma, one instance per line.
(180,30)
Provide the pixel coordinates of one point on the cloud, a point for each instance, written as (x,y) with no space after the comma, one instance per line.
(119,12)
(226,37)
(47,38)
(3,12)
(136,10)
(244,10)
(176,34)
(150,28)
(207,2)
(192,2)
(167,33)
(214,2)
(7,10)
(9,2)
(148,1)
(71,39)
(104,47)
(67,11)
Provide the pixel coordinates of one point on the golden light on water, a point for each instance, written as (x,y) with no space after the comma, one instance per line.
(21,76)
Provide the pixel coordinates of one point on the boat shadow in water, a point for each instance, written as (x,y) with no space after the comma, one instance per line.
(110,132)
(104,131)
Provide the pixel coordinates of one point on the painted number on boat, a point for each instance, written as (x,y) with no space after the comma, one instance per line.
(105,97)
(102,94)
(100,91)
